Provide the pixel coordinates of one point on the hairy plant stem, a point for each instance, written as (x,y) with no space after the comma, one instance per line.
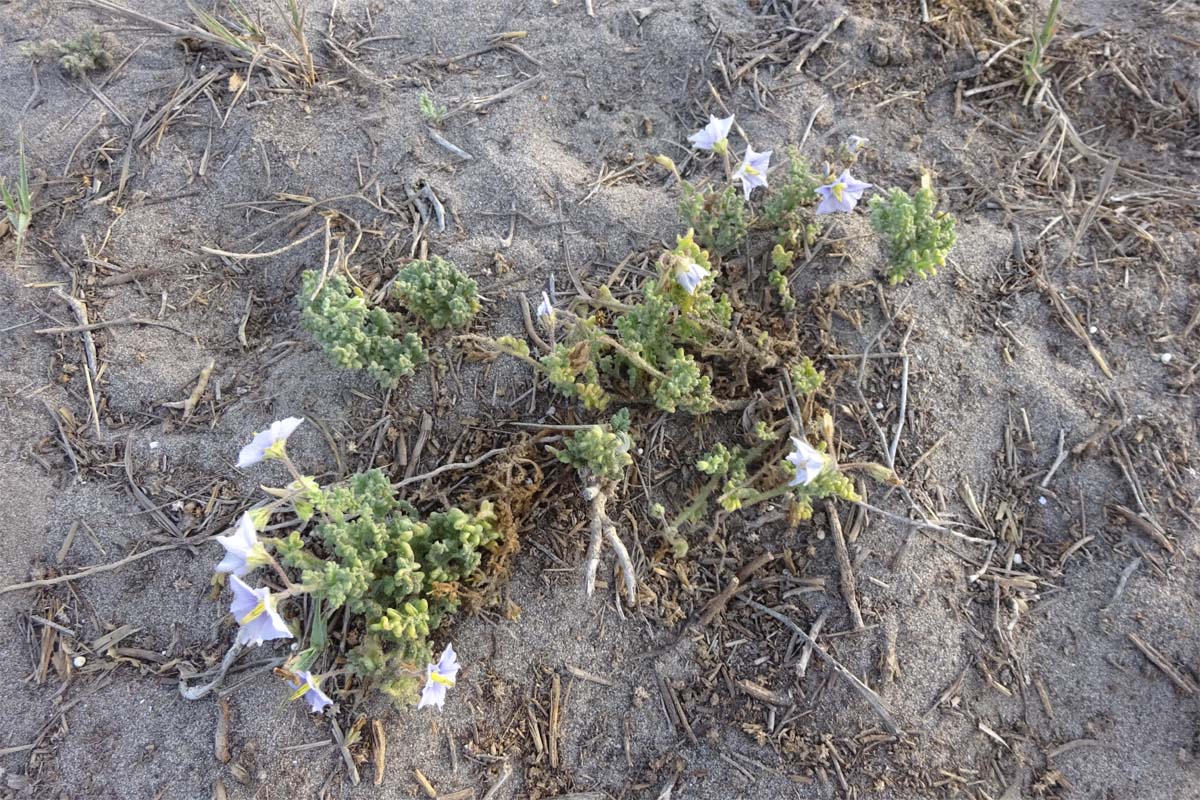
(597,492)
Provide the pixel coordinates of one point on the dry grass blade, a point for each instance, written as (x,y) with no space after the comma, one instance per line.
(865,691)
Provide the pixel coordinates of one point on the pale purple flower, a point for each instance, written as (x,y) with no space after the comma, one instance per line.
(753,171)
(689,274)
(856,143)
(243,550)
(841,194)
(254,610)
(269,443)
(438,678)
(808,461)
(714,136)
(309,688)
(545,310)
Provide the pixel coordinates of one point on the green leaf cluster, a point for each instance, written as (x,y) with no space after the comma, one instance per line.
(781,264)
(918,236)
(666,325)
(438,292)
(719,218)
(86,53)
(806,378)
(788,210)
(729,463)
(400,573)
(830,483)
(355,334)
(602,449)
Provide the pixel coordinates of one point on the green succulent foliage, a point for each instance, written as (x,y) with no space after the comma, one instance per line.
(86,53)
(602,449)
(764,433)
(355,334)
(789,210)
(719,218)
(789,206)
(806,378)
(374,554)
(667,322)
(781,263)
(829,483)
(573,372)
(439,292)
(918,236)
(730,464)
(430,109)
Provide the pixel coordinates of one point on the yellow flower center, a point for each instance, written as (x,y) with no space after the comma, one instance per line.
(442,679)
(838,189)
(303,690)
(749,170)
(255,613)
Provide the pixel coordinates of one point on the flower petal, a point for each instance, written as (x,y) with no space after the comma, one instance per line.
(256,451)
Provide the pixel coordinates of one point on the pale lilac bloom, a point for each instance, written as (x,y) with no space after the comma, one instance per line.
(438,678)
(545,309)
(808,461)
(243,550)
(753,171)
(269,443)
(310,690)
(713,136)
(254,610)
(856,143)
(689,275)
(841,194)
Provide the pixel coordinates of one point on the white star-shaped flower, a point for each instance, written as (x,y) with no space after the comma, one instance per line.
(438,678)
(808,461)
(714,136)
(269,443)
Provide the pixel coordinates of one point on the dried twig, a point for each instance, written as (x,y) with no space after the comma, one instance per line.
(845,569)
(816,41)
(89,348)
(865,691)
(96,570)
(1156,658)
(188,406)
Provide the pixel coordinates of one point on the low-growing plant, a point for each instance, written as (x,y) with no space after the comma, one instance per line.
(718,217)
(354,333)
(781,264)
(918,237)
(789,209)
(1033,62)
(359,335)
(740,476)
(601,455)
(397,573)
(86,53)
(600,450)
(652,355)
(438,292)
(430,109)
(18,204)
(678,342)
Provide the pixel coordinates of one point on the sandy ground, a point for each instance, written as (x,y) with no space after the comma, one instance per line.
(1061,659)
